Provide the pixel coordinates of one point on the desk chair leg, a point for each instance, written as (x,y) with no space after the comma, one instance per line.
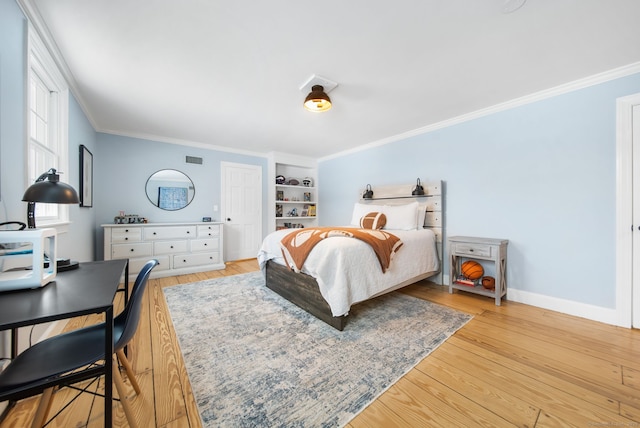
(117,380)
(43,408)
(127,367)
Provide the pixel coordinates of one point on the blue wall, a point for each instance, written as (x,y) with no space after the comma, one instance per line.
(123,165)
(78,242)
(541,175)
(12,104)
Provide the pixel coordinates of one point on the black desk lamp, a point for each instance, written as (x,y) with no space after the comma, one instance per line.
(48,189)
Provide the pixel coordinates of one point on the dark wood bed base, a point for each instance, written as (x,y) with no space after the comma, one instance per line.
(303,291)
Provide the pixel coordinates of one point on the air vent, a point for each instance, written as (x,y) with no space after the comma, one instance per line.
(194,159)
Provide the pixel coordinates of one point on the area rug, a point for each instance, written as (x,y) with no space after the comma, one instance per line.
(254,359)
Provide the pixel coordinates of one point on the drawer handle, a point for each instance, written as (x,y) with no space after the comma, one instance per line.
(131,250)
(188,232)
(171,246)
(154,233)
(184,261)
(471,250)
(205,244)
(126,238)
(126,230)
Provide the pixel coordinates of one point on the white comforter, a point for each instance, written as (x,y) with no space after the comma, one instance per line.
(347,270)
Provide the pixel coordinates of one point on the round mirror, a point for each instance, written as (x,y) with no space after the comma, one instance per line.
(170,189)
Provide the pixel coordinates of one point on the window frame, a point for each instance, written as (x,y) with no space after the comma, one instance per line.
(41,63)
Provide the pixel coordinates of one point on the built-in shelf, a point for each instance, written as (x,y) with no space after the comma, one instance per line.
(298,198)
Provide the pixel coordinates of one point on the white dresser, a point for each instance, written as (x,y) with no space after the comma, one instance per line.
(180,248)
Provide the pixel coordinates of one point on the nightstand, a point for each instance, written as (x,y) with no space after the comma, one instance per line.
(462,248)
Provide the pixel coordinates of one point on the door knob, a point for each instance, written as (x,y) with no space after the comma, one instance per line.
(228,219)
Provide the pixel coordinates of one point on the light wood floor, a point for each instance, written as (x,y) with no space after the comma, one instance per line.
(512,365)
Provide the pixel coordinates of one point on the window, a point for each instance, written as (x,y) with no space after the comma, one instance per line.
(47,120)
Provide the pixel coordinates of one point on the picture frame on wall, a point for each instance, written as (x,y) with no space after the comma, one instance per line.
(86,177)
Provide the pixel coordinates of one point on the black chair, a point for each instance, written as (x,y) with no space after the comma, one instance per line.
(39,369)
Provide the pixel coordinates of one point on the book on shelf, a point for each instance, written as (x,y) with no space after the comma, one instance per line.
(466,281)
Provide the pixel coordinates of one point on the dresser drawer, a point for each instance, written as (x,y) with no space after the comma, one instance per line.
(129,234)
(209,230)
(127,251)
(199,259)
(172,232)
(468,249)
(136,264)
(204,245)
(169,247)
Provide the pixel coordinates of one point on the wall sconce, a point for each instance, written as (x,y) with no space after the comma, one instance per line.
(418,190)
(368,192)
(48,189)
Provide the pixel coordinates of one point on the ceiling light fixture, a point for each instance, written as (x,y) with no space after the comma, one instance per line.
(318,100)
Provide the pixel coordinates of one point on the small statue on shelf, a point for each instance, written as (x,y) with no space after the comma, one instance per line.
(293,212)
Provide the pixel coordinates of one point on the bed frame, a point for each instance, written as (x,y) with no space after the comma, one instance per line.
(303,291)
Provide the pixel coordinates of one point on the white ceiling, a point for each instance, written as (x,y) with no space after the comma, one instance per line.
(227,73)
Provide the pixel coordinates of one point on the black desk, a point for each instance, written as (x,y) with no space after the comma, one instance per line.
(89,289)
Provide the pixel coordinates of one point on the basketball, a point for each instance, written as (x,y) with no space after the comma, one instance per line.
(472,270)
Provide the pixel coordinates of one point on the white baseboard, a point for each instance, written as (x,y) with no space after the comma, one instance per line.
(569,307)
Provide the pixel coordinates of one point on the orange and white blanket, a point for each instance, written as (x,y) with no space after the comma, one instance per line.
(346,271)
(297,245)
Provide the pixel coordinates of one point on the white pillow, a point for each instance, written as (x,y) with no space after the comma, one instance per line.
(422,213)
(360,210)
(401,217)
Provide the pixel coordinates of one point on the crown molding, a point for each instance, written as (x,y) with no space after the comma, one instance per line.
(595,79)
(187,143)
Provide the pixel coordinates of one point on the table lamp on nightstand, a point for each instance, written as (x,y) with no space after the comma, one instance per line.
(48,189)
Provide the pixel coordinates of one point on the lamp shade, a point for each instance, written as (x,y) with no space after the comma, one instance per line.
(51,192)
(317,100)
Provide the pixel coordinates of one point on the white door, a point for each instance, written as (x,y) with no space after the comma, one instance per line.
(635,292)
(628,211)
(241,210)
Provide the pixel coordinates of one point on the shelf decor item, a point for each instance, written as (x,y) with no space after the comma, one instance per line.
(489,282)
(472,270)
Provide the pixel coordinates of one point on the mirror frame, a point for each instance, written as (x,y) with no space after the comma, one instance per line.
(152,190)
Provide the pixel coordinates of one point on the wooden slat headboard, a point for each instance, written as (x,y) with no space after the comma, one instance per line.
(401,194)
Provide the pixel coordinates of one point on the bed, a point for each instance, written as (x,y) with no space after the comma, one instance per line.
(341,271)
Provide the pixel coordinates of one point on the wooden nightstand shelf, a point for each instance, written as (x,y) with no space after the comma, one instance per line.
(463,248)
